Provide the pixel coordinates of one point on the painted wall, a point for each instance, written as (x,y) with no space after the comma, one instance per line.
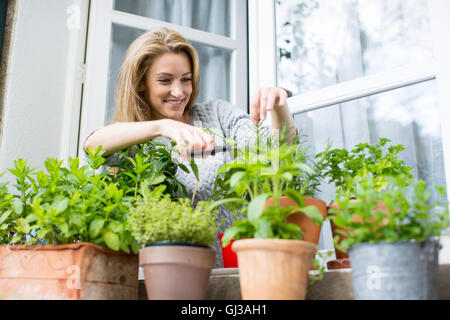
(43,82)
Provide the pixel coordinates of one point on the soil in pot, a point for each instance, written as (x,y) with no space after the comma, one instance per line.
(73,271)
(274,269)
(176,272)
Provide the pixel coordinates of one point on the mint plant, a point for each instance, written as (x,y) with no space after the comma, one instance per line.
(409,214)
(65,205)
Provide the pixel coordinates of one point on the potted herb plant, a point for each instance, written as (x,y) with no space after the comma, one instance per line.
(175,241)
(393,252)
(61,230)
(341,166)
(273,259)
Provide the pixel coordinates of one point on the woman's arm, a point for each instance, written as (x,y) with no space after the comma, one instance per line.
(118,136)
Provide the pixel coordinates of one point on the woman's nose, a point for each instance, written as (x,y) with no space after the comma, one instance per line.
(176,90)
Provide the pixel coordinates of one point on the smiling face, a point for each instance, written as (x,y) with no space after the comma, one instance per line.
(168,86)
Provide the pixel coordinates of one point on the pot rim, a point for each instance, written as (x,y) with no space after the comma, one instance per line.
(274,245)
(175,243)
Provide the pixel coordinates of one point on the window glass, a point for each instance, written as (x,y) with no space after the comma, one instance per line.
(408,116)
(321,43)
(214,67)
(206,15)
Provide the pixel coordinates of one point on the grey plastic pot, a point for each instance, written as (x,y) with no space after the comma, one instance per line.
(395,271)
(176,271)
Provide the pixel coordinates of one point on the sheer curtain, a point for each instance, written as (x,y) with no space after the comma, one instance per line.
(210,16)
(362,38)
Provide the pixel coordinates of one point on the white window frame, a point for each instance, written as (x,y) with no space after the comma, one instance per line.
(101,18)
(262,25)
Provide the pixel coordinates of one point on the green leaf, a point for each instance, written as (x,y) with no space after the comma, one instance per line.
(96,227)
(60,204)
(112,240)
(313,213)
(64,228)
(236,178)
(17,206)
(295,196)
(5,216)
(256,207)
(194,167)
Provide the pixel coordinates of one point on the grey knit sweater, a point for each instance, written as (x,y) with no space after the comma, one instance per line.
(224,119)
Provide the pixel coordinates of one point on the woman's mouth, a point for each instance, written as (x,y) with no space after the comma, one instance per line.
(175,103)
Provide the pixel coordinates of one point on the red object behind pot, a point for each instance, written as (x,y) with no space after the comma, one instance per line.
(229,256)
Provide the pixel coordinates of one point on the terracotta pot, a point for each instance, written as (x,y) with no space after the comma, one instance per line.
(342,258)
(73,271)
(229,257)
(176,272)
(274,269)
(311,231)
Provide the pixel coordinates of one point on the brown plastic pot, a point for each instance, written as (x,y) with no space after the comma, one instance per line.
(274,269)
(342,258)
(76,271)
(311,231)
(176,272)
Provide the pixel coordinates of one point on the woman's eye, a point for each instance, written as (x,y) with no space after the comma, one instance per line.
(164,80)
(186,79)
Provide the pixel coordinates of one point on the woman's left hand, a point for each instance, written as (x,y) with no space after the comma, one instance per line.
(268,99)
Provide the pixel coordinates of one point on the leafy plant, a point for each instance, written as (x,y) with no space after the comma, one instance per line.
(262,171)
(409,214)
(66,205)
(150,162)
(157,217)
(341,165)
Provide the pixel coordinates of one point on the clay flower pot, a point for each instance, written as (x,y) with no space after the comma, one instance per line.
(176,271)
(342,258)
(274,269)
(311,231)
(76,271)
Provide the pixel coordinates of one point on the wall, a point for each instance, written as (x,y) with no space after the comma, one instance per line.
(42,91)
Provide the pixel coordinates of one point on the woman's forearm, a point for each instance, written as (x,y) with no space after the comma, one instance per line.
(118,136)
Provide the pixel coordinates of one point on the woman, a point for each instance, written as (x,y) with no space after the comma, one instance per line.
(155,94)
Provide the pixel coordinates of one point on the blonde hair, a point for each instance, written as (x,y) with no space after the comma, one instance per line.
(132,105)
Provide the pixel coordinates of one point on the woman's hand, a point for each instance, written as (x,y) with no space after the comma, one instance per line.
(268,99)
(187,137)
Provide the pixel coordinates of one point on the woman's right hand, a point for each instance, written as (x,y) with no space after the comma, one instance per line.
(187,137)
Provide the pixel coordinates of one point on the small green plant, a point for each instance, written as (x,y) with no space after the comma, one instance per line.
(263,171)
(153,163)
(156,217)
(341,165)
(409,214)
(65,205)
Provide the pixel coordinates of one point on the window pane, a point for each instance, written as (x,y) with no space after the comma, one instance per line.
(206,15)
(407,116)
(214,67)
(322,43)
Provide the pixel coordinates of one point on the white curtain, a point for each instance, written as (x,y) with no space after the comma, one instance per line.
(206,15)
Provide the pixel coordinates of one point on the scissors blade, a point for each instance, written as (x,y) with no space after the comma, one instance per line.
(212,152)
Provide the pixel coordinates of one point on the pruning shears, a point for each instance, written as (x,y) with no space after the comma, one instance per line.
(212,152)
